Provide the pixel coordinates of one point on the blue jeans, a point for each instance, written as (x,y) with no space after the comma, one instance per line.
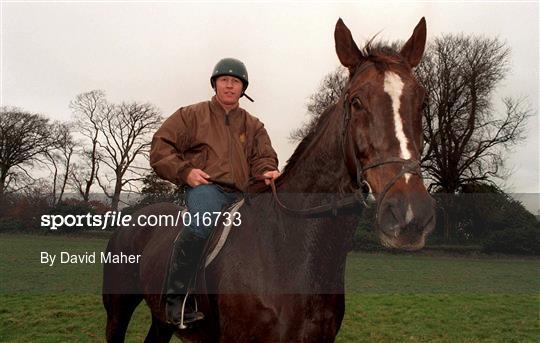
(206,198)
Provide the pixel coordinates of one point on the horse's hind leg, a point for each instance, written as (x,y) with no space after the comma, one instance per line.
(119,308)
(159,332)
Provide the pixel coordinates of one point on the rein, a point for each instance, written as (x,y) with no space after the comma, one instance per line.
(356,199)
(361,196)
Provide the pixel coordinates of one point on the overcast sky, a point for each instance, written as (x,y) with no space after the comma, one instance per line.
(164,52)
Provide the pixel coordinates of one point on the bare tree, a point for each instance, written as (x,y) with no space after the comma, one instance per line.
(24,138)
(60,158)
(464,137)
(88,108)
(126,131)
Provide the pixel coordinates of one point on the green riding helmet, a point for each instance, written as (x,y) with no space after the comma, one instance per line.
(232,67)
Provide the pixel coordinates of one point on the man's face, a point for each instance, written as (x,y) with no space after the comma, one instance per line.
(228,89)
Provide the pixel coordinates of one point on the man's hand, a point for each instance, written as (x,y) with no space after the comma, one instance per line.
(197,177)
(270,176)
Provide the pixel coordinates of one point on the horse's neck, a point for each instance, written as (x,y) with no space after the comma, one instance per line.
(321,167)
(305,251)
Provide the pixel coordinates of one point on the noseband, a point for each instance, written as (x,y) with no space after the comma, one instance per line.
(360,197)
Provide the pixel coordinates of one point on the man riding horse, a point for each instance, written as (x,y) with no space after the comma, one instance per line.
(212,148)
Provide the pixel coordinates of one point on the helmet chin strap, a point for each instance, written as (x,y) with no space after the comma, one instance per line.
(243,94)
(247,96)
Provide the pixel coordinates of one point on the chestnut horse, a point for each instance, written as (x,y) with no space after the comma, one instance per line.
(279,277)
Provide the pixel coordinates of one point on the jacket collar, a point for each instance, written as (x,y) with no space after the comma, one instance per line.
(217,108)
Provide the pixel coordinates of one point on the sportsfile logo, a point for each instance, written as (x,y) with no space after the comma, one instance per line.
(107,220)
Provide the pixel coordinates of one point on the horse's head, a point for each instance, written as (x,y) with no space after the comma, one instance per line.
(383,135)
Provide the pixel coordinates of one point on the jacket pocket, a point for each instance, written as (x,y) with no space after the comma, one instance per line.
(200,158)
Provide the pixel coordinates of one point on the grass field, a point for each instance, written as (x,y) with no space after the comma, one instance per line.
(411,298)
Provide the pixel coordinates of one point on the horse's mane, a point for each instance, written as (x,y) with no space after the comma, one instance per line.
(382,54)
(306,142)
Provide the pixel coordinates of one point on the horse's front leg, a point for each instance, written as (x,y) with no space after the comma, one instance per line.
(248,318)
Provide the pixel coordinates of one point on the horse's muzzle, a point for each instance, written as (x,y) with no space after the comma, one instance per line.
(404,221)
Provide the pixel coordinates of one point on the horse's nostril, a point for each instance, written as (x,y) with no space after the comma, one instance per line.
(396,208)
(388,219)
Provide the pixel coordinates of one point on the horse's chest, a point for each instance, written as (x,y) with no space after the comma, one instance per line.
(279,318)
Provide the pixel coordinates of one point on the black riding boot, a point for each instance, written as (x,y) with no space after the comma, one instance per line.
(186,253)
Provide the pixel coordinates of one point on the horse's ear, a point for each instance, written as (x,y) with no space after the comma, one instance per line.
(413,50)
(348,53)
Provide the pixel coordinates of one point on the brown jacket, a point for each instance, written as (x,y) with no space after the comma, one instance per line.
(230,148)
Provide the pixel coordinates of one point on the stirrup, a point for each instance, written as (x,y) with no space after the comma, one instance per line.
(196,314)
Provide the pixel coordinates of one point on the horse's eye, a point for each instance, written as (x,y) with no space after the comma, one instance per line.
(357,103)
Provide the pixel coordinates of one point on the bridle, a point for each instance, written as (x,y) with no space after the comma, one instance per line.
(361,196)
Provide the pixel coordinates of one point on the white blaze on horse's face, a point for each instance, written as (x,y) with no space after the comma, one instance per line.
(409,216)
(393,86)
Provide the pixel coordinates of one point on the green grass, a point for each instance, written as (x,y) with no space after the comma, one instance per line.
(61,318)
(441,318)
(385,273)
(411,298)
(21,269)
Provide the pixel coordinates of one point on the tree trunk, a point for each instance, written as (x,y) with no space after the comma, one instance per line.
(117,192)
(3,177)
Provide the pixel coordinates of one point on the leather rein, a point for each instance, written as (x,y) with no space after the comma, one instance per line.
(361,196)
